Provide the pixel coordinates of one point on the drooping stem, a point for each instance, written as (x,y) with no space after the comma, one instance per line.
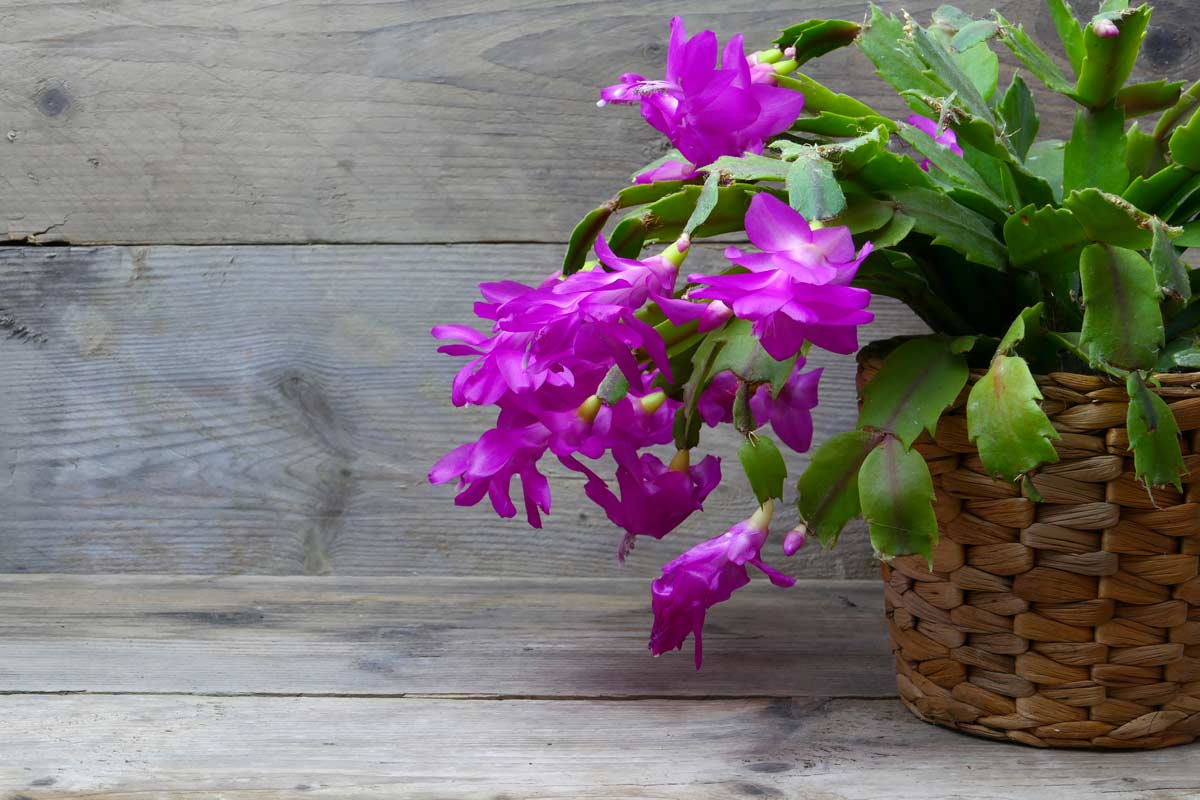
(1077,351)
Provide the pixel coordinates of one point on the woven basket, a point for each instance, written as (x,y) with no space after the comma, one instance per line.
(1070,623)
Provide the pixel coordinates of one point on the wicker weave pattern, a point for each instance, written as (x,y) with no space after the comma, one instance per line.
(1071,623)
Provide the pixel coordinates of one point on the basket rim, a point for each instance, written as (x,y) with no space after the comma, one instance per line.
(879,348)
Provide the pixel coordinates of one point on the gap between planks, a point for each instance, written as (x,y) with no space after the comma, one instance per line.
(599,698)
(547,242)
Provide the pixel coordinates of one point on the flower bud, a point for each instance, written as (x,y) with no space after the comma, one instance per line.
(1105,28)
(716,315)
(794,540)
(763,74)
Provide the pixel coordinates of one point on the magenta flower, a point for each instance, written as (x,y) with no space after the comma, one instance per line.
(707,574)
(789,244)
(654,498)
(550,348)
(594,428)
(947,138)
(715,403)
(547,334)
(789,412)
(487,467)
(1105,28)
(680,312)
(796,289)
(652,277)
(708,110)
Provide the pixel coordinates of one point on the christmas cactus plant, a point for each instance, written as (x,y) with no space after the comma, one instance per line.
(1022,254)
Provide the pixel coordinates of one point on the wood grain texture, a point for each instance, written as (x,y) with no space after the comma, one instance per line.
(448,637)
(177,688)
(262,121)
(276,409)
(245,748)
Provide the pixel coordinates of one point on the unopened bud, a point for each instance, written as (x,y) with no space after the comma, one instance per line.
(794,540)
(681,461)
(787,67)
(789,52)
(1105,28)
(717,314)
(653,401)
(588,409)
(763,74)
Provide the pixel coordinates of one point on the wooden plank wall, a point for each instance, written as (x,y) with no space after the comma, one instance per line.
(283,197)
(274,409)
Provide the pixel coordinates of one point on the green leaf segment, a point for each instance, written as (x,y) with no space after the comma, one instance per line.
(873,470)
(1013,433)
(1153,436)
(917,383)
(896,494)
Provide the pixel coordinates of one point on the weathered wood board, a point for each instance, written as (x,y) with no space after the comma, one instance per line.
(276,409)
(405,636)
(128,687)
(298,748)
(262,121)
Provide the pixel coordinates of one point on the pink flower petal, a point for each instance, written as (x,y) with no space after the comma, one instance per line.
(773,225)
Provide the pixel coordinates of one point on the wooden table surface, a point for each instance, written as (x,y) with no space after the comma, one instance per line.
(124,687)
